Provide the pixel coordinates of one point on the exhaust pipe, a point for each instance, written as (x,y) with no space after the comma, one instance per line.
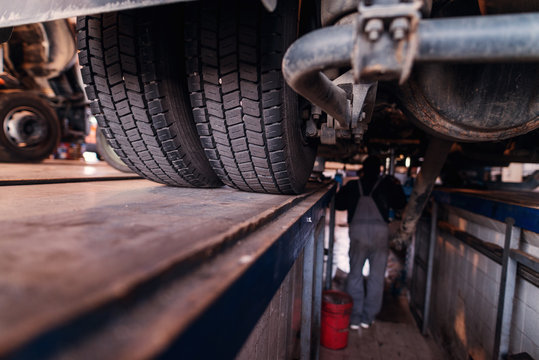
(305,60)
(471,39)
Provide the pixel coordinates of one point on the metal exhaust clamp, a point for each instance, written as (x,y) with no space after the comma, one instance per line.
(385,41)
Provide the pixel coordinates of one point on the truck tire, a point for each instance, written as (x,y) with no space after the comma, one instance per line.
(138,95)
(29,128)
(247,118)
(106,152)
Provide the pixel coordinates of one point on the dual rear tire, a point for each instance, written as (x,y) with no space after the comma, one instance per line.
(200,102)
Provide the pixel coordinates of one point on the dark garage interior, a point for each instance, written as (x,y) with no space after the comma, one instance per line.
(269,179)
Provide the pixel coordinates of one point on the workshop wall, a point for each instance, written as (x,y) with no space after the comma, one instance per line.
(275,334)
(465,292)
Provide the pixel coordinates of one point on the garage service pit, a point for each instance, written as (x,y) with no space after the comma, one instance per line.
(115,266)
(82,261)
(269,179)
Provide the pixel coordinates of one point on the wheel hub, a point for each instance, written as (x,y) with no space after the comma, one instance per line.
(25,127)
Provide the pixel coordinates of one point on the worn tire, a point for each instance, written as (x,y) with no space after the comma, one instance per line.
(138,95)
(27,110)
(106,152)
(247,118)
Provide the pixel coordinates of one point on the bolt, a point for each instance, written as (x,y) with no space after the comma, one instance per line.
(399,27)
(374,28)
(398,34)
(310,129)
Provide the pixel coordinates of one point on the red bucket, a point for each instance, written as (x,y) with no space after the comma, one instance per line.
(336,310)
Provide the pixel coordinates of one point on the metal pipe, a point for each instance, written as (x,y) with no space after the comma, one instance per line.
(437,152)
(473,39)
(307,298)
(329,263)
(480,39)
(305,60)
(507,292)
(319,236)
(430,266)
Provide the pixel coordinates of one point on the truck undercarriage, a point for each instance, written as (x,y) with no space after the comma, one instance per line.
(206,93)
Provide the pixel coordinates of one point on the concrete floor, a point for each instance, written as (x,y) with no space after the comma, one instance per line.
(394,335)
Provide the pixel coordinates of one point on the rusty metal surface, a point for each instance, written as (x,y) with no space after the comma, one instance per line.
(436,154)
(332,10)
(74,252)
(54,171)
(444,99)
(22,12)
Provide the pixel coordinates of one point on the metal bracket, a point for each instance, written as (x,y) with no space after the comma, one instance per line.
(386,41)
(361,98)
(328,135)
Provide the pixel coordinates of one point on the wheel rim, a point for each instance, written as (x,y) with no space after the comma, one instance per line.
(25,127)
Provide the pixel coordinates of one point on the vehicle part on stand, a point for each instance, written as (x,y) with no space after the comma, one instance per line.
(29,127)
(435,156)
(42,58)
(138,95)
(472,39)
(248,119)
(106,151)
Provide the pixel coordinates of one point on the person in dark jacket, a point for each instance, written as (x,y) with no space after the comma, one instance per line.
(368,201)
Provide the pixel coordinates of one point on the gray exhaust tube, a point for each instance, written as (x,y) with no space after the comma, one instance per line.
(471,39)
(305,60)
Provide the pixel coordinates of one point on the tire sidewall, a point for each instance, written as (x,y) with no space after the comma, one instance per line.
(107,153)
(300,153)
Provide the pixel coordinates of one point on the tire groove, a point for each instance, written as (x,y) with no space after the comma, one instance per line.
(137,136)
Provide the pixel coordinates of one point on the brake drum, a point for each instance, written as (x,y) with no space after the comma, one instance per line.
(474,102)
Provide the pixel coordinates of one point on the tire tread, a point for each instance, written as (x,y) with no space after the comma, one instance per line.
(226,50)
(123,85)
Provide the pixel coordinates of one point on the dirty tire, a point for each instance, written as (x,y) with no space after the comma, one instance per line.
(27,110)
(247,118)
(106,152)
(138,95)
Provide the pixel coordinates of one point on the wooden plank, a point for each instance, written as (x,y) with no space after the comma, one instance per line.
(57,171)
(68,249)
